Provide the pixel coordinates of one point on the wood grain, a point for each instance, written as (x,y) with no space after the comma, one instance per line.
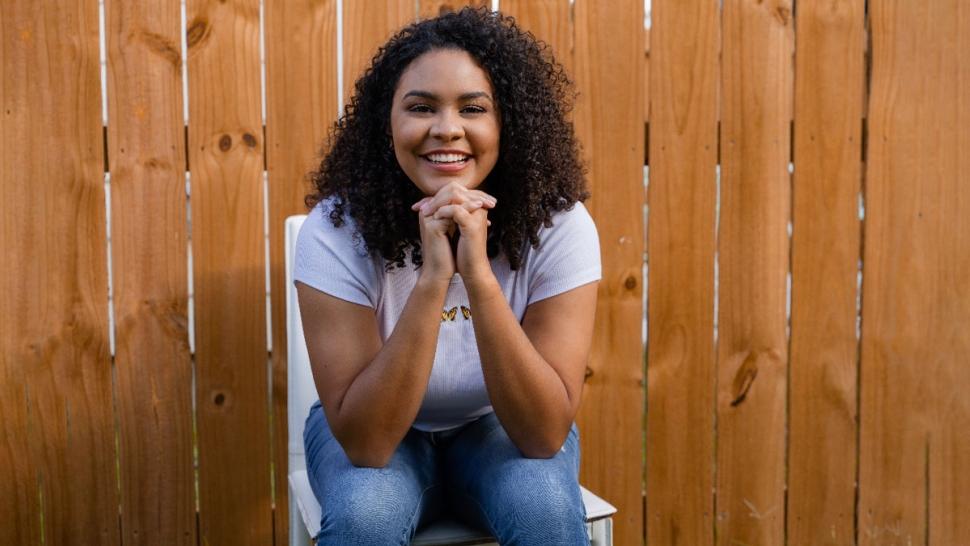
(57,448)
(301,104)
(756,84)
(367,25)
(609,118)
(226,158)
(146,152)
(914,484)
(680,364)
(428,9)
(826,233)
(549,21)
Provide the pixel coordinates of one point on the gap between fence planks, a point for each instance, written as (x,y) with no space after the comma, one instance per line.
(826,233)
(57,453)
(226,152)
(914,484)
(153,366)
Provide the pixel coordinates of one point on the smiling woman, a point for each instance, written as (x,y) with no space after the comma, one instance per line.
(454,155)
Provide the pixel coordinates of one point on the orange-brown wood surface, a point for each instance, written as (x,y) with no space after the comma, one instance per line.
(433,8)
(826,232)
(753,252)
(57,450)
(226,159)
(609,118)
(914,450)
(548,20)
(149,248)
(682,193)
(366,26)
(301,103)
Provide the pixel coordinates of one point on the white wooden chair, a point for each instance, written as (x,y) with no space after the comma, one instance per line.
(301,394)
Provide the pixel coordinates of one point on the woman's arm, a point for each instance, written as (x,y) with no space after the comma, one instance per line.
(371,392)
(534,371)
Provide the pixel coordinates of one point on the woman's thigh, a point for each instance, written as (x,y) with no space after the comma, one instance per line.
(521,501)
(370,506)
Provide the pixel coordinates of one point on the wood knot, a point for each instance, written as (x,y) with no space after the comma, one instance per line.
(783,14)
(197,32)
(630,283)
(225,143)
(744,378)
(249,140)
(219,399)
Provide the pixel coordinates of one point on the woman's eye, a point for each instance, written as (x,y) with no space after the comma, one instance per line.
(421,108)
(473,110)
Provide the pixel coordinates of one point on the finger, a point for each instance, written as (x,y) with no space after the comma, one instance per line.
(446,212)
(482,196)
(418,205)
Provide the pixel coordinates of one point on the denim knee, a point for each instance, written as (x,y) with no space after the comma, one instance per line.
(530,506)
(375,513)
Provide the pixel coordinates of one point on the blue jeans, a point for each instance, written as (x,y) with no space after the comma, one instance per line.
(474,474)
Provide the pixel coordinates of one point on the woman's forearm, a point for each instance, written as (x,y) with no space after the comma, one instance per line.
(381,403)
(528,396)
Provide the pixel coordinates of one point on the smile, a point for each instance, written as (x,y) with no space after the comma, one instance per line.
(446,159)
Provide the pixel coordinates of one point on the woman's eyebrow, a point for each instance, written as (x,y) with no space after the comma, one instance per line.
(431,96)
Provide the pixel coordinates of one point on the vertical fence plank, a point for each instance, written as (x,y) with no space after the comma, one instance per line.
(301,104)
(433,8)
(19,51)
(367,25)
(826,232)
(146,152)
(550,21)
(225,151)
(914,483)
(54,280)
(753,259)
(680,363)
(609,55)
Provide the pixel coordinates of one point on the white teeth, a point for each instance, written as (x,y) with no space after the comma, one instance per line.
(446,158)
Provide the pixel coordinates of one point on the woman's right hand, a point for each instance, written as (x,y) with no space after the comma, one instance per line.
(438,259)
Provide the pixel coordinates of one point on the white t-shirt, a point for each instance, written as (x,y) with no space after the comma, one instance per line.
(335,261)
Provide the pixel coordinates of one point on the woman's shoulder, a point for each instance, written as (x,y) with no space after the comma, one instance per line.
(572,221)
(331,224)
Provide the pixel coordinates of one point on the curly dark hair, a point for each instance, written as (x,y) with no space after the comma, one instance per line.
(538,171)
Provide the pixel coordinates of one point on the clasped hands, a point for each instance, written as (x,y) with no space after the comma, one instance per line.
(455,212)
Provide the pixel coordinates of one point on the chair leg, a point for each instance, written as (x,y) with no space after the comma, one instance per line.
(298,533)
(601,533)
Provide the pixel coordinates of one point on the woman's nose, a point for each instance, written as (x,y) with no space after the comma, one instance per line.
(447,127)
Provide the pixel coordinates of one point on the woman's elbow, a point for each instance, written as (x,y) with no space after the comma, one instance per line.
(364,454)
(543,448)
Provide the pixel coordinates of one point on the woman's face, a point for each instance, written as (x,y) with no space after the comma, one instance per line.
(444,121)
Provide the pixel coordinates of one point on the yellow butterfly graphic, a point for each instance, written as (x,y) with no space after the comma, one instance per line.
(452,314)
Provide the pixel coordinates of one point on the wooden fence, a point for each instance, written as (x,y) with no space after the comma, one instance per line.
(808,240)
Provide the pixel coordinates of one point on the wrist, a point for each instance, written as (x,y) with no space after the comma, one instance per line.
(432,284)
(480,282)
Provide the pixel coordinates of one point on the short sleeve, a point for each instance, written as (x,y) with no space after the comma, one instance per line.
(329,259)
(568,255)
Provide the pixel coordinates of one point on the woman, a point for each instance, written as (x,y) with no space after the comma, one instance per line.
(447,280)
